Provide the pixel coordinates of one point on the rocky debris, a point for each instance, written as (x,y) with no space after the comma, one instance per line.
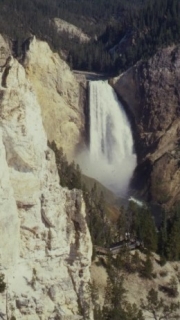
(45,243)
(150,91)
(71,30)
(58,94)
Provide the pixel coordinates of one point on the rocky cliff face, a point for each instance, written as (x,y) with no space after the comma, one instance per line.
(5,50)
(58,94)
(151,91)
(45,247)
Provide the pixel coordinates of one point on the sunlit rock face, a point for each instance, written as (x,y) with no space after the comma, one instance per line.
(9,222)
(151,92)
(58,94)
(5,50)
(45,244)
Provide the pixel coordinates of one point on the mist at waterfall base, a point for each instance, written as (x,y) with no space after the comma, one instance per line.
(110,158)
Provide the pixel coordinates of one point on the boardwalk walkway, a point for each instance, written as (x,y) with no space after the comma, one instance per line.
(114,249)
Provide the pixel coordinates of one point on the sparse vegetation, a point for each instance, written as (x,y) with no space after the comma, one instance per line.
(147,268)
(2,283)
(173,287)
(158,308)
(115,306)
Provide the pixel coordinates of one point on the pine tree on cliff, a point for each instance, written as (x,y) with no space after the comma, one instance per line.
(158,308)
(173,244)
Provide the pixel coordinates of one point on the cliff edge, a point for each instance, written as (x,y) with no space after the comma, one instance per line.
(45,247)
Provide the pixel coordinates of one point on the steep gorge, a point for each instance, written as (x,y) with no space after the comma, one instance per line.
(45,247)
(151,92)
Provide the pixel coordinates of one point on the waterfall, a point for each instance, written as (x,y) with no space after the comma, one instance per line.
(111,158)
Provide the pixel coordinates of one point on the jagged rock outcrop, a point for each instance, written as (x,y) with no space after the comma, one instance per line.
(151,91)
(58,94)
(45,247)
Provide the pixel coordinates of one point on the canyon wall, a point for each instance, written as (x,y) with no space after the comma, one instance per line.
(45,247)
(58,93)
(151,92)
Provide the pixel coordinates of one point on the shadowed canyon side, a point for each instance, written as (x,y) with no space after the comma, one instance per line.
(45,243)
(151,91)
(110,158)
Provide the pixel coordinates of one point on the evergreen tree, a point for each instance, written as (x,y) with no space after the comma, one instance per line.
(2,283)
(173,287)
(115,305)
(147,268)
(147,230)
(162,238)
(135,262)
(173,244)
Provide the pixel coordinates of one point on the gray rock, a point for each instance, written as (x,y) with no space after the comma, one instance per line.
(151,92)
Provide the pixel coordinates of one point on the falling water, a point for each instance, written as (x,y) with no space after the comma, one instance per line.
(111,158)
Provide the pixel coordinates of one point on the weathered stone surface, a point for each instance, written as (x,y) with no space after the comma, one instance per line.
(5,50)
(45,243)
(151,91)
(58,94)
(9,222)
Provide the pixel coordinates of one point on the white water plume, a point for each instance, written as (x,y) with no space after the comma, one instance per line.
(111,158)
